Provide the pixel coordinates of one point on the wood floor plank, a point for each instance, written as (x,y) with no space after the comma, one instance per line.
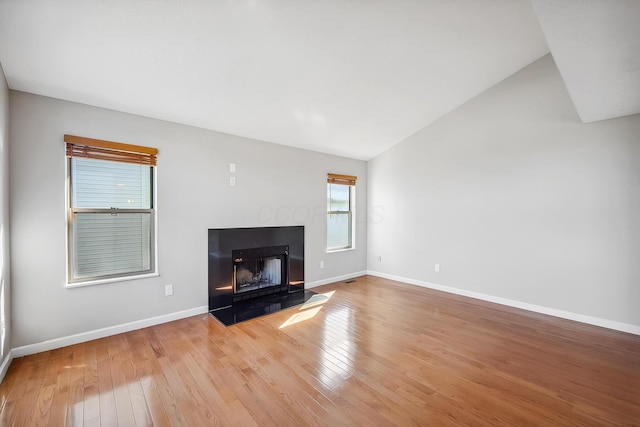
(12,388)
(167,394)
(157,412)
(51,409)
(119,383)
(372,352)
(75,402)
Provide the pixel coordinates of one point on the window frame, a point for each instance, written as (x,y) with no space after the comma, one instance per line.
(350,182)
(71,212)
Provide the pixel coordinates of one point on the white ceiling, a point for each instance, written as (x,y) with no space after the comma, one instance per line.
(596,46)
(348,77)
(344,77)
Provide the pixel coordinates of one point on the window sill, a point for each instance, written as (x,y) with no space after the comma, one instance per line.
(333,251)
(111,280)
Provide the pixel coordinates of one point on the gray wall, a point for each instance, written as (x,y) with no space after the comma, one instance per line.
(5,282)
(515,198)
(276,185)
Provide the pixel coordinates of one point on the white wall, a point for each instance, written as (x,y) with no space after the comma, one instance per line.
(5,282)
(515,198)
(276,185)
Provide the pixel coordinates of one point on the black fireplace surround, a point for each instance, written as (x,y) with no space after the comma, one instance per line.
(250,265)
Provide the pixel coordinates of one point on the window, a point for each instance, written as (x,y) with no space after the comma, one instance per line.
(111,212)
(340,211)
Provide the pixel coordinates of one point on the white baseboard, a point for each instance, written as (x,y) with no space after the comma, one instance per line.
(309,285)
(131,326)
(104,332)
(126,327)
(5,364)
(605,323)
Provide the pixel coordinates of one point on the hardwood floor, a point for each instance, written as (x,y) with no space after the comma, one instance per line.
(373,352)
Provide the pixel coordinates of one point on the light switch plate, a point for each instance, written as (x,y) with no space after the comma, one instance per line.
(168,290)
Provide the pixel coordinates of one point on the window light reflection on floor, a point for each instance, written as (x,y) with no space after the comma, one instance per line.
(337,352)
(306,311)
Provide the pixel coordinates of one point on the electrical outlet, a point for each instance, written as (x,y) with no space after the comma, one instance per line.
(321,264)
(168,290)
(232,167)
(232,181)
(436,268)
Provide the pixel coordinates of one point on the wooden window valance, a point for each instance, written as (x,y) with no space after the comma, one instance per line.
(334,178)
(78,146)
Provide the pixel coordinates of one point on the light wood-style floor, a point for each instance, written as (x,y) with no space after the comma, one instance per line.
(373,352)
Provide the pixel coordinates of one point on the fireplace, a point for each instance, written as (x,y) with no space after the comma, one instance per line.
(247,264)
(260,271)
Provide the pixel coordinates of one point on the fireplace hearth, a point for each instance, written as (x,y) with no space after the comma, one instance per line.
(256,307)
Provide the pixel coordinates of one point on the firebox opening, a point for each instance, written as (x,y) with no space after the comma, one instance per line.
(259,268)
(258,273)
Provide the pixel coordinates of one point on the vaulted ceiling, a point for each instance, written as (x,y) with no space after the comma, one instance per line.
(596,46)
(348,77)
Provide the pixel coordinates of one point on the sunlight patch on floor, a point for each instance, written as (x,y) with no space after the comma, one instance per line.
(300,317)
(305,311)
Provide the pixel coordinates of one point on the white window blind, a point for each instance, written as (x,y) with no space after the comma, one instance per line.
(107,244)
(111,215)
